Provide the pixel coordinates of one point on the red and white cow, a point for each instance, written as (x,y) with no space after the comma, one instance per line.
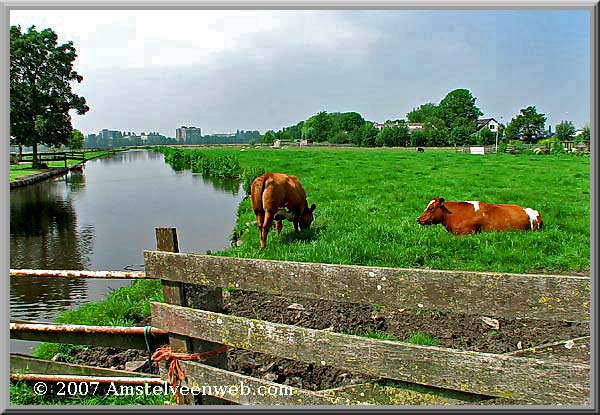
(275,197)
(462,218)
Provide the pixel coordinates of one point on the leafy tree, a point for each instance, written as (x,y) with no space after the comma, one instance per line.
(565,131)
(460,136)
(458,109)
(585,135)
(528,125)
(365,136)
(394,136)
(338,137)
(318,127)
(350,121)
(41,73)
(512,129)
(418,138)
(76,141)
(269,137)
(424,113)
(485,136)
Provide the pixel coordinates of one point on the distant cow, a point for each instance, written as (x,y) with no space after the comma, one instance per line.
(420,150)
(275,197)
(462,218)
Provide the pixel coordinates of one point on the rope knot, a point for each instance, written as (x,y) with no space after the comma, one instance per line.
(175,373)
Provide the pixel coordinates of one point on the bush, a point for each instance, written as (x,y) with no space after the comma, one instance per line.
(249,176)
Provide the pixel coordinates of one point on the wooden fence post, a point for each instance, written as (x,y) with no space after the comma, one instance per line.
(195,296)
(166,240)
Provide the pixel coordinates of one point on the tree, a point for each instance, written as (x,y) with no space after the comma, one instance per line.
(565,131)
(365,136)
(394,136)
(41,73)
(350,121)
(458,109)
(269,137)
(418,138)
(424,113)
(318,127)
(485,136)
(76,141)
(585,135)
(528,125)
(460,136)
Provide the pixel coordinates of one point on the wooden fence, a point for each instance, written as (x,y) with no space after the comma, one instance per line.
(54,156)
(192,319)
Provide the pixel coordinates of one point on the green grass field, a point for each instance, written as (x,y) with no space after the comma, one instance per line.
(367,204)
(368,201)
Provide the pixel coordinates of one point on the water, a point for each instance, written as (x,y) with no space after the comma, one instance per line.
(103,220)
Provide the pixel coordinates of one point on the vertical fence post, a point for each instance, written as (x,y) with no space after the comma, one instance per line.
(166,240)
(194,296)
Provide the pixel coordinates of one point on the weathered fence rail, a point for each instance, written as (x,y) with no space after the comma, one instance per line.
(551,297)
(112,336)
(192,320)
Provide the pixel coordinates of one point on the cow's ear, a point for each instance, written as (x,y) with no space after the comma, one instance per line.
(441,200)
(312,208)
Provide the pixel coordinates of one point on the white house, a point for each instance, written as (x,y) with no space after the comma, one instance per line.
(490,123)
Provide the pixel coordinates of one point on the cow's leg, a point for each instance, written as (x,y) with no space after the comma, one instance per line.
(260,218)
(296,225)
(266,228)
(278,226)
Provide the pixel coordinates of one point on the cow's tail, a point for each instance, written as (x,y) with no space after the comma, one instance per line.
(258,187)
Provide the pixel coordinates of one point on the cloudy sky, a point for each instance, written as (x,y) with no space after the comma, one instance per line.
(155,70)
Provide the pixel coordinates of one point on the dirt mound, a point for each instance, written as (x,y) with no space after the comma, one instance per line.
(458,331)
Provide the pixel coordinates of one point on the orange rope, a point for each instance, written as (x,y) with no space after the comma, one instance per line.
(175,374)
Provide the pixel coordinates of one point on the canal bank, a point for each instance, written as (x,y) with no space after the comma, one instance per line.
(25,179)
(74,221)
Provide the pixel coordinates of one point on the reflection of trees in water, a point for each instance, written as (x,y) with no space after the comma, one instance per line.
(226,185)
(43,235)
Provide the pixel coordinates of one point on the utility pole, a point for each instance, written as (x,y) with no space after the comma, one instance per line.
(497,130)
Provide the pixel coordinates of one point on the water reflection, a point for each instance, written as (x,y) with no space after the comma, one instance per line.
(223,185)
(105,219)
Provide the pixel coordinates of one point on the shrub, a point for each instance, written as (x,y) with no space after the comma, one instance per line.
(249,176)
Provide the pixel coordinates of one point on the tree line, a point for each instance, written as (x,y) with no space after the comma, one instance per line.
(451,122)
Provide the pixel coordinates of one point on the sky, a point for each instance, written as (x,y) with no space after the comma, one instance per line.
(156,70)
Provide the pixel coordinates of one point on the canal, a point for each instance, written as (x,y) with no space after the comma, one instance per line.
(104,219)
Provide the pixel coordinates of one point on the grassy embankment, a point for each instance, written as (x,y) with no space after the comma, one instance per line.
(24,168)
(368,201)
(367,204)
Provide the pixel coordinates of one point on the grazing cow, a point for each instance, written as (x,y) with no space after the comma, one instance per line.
(275,197)
(462,218)
(420,150)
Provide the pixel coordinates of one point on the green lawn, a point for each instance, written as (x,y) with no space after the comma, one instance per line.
(368,201)
(367,204)
(24,169)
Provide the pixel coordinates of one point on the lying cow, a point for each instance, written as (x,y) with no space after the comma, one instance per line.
(463,218)
(275,197)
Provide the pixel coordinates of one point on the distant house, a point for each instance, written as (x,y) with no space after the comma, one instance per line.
(490,123)
(412,126)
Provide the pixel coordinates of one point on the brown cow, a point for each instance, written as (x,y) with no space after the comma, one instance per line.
(275,197)
(463,218)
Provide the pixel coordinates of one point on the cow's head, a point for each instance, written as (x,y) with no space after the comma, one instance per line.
(307,217)
(434,212)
